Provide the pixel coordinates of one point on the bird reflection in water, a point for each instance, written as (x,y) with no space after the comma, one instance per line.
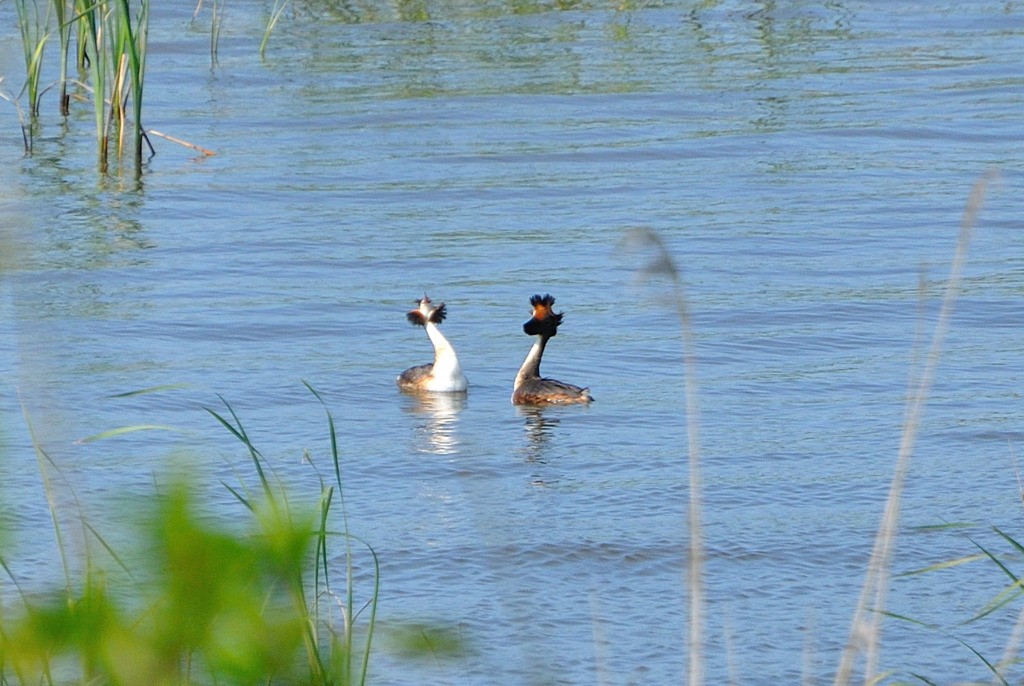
(540,428)
(436,433)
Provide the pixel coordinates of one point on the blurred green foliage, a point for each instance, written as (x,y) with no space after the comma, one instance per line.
(197,601)
(214,606)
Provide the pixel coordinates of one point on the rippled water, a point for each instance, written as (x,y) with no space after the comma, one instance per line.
(805,163)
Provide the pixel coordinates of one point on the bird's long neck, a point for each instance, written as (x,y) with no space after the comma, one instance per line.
(444,354)
(531,365)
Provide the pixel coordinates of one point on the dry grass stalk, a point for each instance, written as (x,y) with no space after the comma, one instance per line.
(865,631)
(661,264)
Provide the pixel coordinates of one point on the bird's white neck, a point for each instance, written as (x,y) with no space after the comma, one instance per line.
(531,365)
(447,372)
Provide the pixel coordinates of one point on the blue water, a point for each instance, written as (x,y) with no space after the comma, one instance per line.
(807,166)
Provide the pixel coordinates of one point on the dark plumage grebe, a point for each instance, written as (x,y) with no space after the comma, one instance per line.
(444,374)
(530,388)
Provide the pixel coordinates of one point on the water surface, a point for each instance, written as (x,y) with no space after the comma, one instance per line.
(806,164)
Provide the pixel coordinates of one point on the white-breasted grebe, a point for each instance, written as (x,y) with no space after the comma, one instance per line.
(530,388)
(444,375)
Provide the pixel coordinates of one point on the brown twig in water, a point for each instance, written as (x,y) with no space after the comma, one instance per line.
(154,132)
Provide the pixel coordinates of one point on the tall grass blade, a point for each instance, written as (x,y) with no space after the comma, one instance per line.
(1009,539)
(126,430)
(349,572)
(34,29)
(64,29)
(943,565)
(26,131)
(275,15)
(1005,597)
(92,54)
(350,613)
(44,460)
(215,21)
(933,627)
(151,389)
(14,579)
(662,264)
(1013,644)
(372,621)
(217,11)
(865,630)
(321,546)
(333,434)
(106,546)
(118,97)
(1013,577)
(239,432)
(992,668)
(238,496)
(35,71)
(134,38)
(1008,594)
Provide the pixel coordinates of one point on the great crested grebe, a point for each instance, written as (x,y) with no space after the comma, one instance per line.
(444,374)
(530,388)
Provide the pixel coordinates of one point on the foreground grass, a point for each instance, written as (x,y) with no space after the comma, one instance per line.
(864,642)
(200,602)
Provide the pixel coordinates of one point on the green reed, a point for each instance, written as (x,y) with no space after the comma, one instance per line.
(275,16)
(115,54)
(112,40)
(131,37)
(216,19)
(215,26)
(93,57)
(61,10)
(350,614)
(34,26)
(1010,593)
(331,658)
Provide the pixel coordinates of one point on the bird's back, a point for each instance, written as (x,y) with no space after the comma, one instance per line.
(549,392)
